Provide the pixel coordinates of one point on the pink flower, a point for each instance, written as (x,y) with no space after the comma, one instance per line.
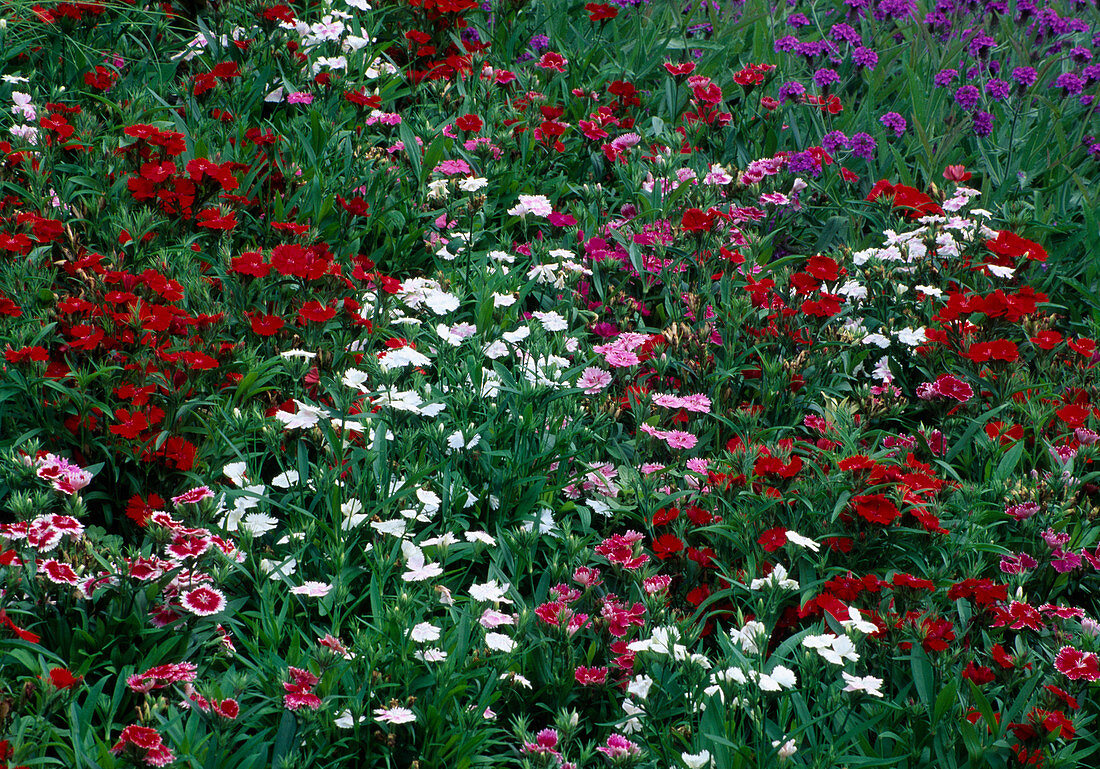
(588,676)
(619,747)
(587,576)
(554,61)
(312,589)
(545,743)
(299,97)
(678,439)
(57,572)
(453,167)
(656,584)
(593,380)
(1075,664)
(203,601)
(618,358)
(193,496)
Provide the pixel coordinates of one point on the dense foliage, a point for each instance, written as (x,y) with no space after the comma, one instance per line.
(541,383)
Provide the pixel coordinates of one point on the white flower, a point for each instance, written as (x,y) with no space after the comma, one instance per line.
(491,591)
(504,300)
(312,589)
(697,760)
(401,357)
(441,303)
(355,379)
(912,336)
(306,417)
(797,539)
(1001,272)
(473,184)
(780,678)
(236,472)
(516,336)
(857,622)
(785,749)
(259,524)
(304,355)
(396,715)
(536,205)
(551,321)
(778,578)
(417,569)
(344,720)
(929,290)
(395,528)
(480,536)
(515,678)
(839,650)
(639,686)
(432,655)
(425,631)
(877,339)
(499,642)
(276,570)
(285,480)
(868,684)
(749,636)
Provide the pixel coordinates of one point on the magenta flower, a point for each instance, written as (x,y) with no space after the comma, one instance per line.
(299,97)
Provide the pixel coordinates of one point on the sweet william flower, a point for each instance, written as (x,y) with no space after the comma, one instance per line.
(394,715)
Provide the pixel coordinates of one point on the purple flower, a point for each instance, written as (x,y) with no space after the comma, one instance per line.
(1080,55)
(1070,83)
(862,145)
(1025,77)
(790,91)
(798,20)
(894,122)
(864,57)
(998,90)
(834,141)
(1091,73)
(967,97)
(540,42)
(785,44)
(801,163)
(945,77)
(980,45)
(824,78)
(983,123)
(843,33)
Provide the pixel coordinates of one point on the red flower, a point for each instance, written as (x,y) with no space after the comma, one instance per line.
(315,312)
(667,545)
(1084,346)
(131,425)
(1009,244)
(62,678)
(469,123)
(600,11)
(875,508)
(680,69)
(267,325)
(696,220)
(1046,340)
(773,539)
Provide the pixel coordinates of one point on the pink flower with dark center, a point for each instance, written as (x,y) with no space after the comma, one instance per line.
(1075,664)
(193,496)
(587,676)
(57,572)
(203,601)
